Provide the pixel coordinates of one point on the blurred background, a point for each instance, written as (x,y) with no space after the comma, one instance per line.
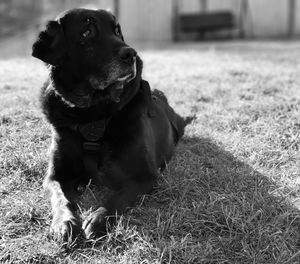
(157,22)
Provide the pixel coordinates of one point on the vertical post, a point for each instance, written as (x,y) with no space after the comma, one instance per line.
(175,20)
(291,18)
(203,5)
(117,8)
(243,17)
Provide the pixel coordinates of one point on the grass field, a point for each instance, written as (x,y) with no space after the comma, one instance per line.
(232,191)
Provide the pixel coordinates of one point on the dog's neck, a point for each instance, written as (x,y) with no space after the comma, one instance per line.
(93,129)
(99,114)
(78,93)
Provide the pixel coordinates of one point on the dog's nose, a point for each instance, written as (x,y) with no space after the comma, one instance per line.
(127,55)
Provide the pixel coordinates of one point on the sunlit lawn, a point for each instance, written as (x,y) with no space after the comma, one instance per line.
(228,196)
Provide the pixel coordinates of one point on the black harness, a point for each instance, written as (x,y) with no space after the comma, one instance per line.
(92,134)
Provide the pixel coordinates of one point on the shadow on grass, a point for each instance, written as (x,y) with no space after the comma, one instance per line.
(213,208)
(209,207)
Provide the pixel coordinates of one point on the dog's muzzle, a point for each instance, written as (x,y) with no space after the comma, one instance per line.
(115,87)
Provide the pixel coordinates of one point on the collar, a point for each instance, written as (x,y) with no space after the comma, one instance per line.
(94,131)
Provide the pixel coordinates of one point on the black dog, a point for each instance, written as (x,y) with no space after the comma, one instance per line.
(108,126)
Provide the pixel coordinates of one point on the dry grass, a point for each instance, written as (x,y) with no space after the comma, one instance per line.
(228,196)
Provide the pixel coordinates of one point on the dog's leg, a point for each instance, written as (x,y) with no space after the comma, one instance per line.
(65,224)
(64,176)
(95,224)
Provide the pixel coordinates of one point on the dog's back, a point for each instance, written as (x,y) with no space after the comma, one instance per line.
(178,123)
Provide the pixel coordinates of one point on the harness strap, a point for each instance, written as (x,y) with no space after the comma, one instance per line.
(92,133)
(146,91)
(90,160)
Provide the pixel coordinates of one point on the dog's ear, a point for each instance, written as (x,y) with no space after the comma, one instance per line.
(50,46)
(146,91)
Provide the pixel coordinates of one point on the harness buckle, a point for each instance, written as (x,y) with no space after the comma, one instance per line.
(91,146)
(92,131)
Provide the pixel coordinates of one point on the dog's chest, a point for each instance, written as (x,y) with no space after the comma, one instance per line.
(106,157)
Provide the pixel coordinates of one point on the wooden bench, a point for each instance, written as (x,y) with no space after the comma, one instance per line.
(201,22)
(208,21)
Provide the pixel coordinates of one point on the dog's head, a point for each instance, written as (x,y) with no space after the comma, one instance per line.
(90,62)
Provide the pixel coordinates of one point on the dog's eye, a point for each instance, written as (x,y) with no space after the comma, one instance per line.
(86,33)
(88,20)
(118,30)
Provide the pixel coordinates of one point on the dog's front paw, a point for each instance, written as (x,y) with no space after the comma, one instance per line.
(65,229)
(95,224)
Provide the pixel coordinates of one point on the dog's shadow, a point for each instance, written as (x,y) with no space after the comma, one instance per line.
(206,195)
